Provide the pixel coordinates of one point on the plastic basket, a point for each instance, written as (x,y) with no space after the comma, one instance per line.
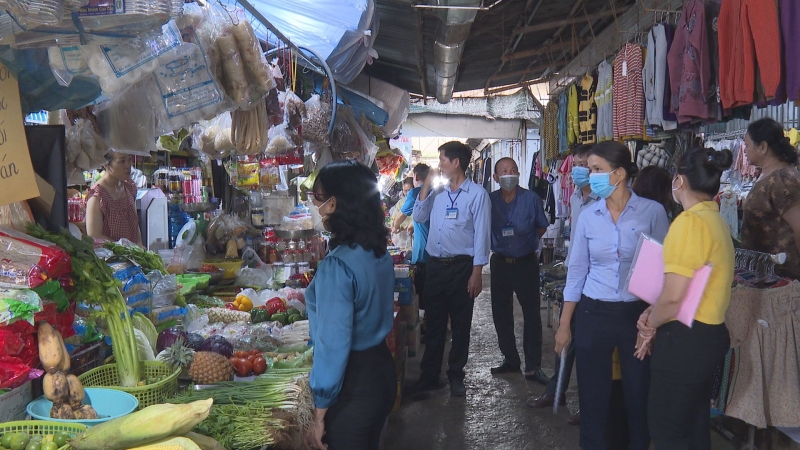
(42,427)
(87,358)
(151,394)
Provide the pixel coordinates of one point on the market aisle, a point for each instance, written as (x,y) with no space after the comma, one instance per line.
(494,414)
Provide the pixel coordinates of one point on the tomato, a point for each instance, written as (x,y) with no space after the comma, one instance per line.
(240,354)
(251,358)
(259,366)
(255,351)
(243,367)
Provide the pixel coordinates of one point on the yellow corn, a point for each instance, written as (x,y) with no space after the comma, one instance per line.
(143,427)
(173,443)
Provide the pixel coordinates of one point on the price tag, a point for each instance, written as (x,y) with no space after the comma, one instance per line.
(624,68)
(451,213)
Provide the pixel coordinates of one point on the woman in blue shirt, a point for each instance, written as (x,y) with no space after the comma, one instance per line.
(350,310)
(596,293)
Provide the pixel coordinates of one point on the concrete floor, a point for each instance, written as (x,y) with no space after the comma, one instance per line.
(493,415)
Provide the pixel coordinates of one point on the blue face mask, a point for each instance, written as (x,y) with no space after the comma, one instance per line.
(601,185)
(580,176)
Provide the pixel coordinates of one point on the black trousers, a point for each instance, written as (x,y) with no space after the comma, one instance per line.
(683,364)
(446,296)
(420,273)
(570,362)
(599,328)
(518,276)
(368,393)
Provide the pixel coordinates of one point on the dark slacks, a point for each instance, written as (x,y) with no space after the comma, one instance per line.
(599,328)
(568,364)
(420,274)
(446,296)
(683,364)
(368,393)
(518,276)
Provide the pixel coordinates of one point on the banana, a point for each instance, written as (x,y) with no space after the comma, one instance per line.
(50,347)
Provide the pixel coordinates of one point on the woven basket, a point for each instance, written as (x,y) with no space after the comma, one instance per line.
(41,427)
(151,394)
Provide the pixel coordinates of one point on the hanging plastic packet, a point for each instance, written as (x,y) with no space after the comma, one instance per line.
(67,63)
(127,123)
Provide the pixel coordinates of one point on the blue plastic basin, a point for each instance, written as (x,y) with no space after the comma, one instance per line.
(109,404)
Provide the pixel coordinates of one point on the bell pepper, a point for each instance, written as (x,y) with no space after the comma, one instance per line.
(275,305)
(245,304)
(258,315)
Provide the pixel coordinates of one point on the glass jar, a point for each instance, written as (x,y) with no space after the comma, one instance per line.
(279,272)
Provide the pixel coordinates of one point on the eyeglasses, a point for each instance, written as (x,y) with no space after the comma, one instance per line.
(319,197)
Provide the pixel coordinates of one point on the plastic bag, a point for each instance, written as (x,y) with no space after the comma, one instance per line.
(16,215)
(13,372)
(223,229)
(165,289)
(349,141)
(252,277)
(269,174)
(128,123)
(213,137)
(18,304)
(315,127)
(249,130)
(85,147)
(29,262)
(280,140)
(245,74)
(67,63)
(294,110)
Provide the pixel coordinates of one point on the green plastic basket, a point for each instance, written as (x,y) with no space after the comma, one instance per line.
(151,394)
(41,427)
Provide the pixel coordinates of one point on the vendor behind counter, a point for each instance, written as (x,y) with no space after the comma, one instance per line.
(111,202)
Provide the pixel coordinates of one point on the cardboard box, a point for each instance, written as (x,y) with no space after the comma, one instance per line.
(405,287)
(14,402)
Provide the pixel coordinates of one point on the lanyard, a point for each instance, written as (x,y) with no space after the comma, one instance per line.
(453,200)
(510,207)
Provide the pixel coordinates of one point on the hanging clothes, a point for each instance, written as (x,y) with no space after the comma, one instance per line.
(749,37)
(790,31)
(550,129)
(655,75)
(690,66)
(603,98)
(628,95)
(668,115)
(763,325)
(573,125)
(729,210)
(563,140)
(715,110)
(587,109)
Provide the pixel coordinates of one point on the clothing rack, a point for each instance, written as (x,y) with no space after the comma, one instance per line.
(762,264)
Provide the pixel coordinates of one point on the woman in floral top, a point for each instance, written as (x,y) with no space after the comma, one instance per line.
(772,209)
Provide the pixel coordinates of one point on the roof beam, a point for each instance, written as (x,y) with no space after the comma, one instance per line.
(571,21)
(545,50)
(638,18)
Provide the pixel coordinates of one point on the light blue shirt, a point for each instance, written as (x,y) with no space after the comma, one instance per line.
(350,306)
(466,234)
(418,254)
(525,216)
(602,251)
(577,205)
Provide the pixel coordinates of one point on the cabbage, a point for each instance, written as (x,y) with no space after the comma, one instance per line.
(194,341)
(168,337)
(143,346)
(143,324)
(218,344)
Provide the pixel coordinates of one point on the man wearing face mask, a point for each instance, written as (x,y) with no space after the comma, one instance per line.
(580,200)
(518,221)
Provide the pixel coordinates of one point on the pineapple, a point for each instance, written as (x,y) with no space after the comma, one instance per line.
(177,355)
(210,367)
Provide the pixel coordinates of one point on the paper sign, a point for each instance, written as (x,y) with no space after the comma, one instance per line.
(646,280)
(17,179)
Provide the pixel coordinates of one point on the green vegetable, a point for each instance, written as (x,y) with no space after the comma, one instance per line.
(50,446)
(61,439)
(143,324)
(204,301)
(258,315)
(19,441)
(294,318)
(281,317)
(149,261)
(95,285)
(292,311)
(5,441)
(34,445)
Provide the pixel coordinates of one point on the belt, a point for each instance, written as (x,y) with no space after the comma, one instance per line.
(509,260)
(451,260)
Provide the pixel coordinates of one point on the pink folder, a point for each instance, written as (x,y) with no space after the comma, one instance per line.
(646,280)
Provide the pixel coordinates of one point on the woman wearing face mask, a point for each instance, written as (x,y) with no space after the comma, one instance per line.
(603,248)
(111,202)
(350,310)
(774,202)
(684,359)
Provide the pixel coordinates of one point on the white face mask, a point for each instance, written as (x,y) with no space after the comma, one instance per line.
(675,189)
(509,182)
(319,221)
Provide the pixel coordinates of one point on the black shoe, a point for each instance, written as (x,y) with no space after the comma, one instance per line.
(537,376)
(423,386)
(545,401)
(457,388)
(505,368)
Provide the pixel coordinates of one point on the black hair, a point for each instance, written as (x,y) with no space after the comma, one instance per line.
(421,171)
(456,150)
(618,156)
(703,167)
(582,149)
(358,218)
(408,180)
(654,183)
(501,160)
(769,131)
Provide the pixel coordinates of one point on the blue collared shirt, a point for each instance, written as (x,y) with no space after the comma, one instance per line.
(418,253)
(350,306)
(466,234)
(577,205)
(602,251)
(525,215)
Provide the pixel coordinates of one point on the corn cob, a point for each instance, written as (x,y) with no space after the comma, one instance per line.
(143,427)
(171,443)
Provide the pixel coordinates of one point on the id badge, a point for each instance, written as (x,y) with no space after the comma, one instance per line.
(451,213)
(508,231)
